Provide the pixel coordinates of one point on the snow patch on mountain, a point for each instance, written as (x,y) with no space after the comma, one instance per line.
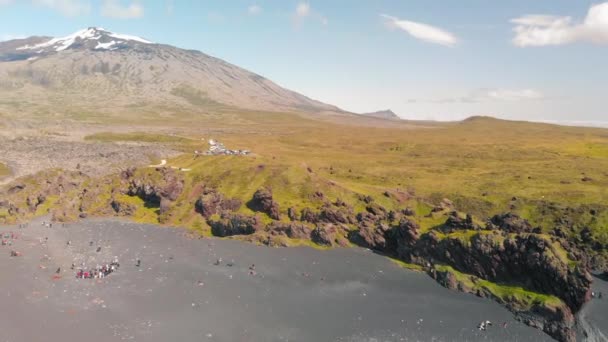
(92,33)
(105,46)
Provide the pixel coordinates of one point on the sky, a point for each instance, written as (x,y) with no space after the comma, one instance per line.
(542,60)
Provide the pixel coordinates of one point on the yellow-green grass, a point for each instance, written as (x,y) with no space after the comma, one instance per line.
(409,266)
(4,170)
(479,164)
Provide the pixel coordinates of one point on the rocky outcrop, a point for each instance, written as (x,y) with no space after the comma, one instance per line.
(512,223)
(329,235)
(154,185)
(397,240)
(402,238)
(212,202)
(33,202)
(262,202)
(337,213)
(524,259)
(556,320)
(230,224)
(122,208)
(455,223)
(291,230)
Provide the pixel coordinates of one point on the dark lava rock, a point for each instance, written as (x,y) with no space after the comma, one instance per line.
(231,224)
(455,222)
(371,236)
(525,259)
(123,209)
(586,235)
(408,212)
(292,213)
(16,188)
(329,235)
(395,240)
(262,202)
(34,201)
(308,215)
(212,202)
(511,223)
(291,230)
(366,199)
(340,213)
(152,187)
(403,237)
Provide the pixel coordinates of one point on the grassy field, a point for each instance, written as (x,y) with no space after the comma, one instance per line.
(4,170)
(485,166)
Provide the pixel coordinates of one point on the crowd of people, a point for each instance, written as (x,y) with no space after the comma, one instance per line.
(99,272)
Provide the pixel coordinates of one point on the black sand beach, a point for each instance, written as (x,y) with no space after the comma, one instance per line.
(179,294)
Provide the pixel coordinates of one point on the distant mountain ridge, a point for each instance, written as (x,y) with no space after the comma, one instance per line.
(96,65)
(384,114)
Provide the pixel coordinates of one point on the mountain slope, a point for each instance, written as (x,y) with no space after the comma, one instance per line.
(384,114)
(98,68)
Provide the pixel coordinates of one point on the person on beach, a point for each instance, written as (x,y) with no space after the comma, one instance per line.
(138,263)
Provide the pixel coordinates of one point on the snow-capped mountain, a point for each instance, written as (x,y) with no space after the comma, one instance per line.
(92,38)
(97,64)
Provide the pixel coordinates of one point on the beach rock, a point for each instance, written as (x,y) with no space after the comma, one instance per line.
(525,259)
(446,279)
(557,322)
(329,235)
(231,224)
(371,236)
(395,240)
(153,185)
(403,238)
(291,230)
(212,202)
(339,213)
(262,202)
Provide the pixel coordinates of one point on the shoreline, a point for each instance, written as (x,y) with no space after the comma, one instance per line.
(364,295)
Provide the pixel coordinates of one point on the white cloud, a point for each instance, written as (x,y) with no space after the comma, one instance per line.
(69,8)
(5,2)
(486,95)
(115,9)
(5,37)
(422,31)
(303,9)
(544,30)
(510,94)
(254,10)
